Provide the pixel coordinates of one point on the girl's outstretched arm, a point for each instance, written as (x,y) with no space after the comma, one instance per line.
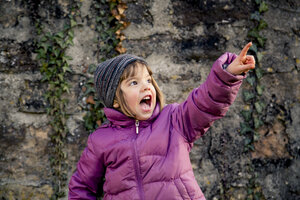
(90,169)
(211,100)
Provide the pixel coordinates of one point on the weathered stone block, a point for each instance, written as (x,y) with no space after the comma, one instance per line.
(16,57)
(32,99)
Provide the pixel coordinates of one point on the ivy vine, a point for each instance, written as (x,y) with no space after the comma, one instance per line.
(253,110)
(54,66)
(109,24)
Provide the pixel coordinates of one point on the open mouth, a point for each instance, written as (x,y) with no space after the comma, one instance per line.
(146,102)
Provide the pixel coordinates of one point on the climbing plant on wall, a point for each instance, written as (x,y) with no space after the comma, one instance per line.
(252,95)
(252,112)
(54,66)
(109,24)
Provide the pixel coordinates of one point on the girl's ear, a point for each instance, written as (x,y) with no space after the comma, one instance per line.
(116,104)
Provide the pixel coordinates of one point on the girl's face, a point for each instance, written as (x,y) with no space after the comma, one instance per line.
(139,93)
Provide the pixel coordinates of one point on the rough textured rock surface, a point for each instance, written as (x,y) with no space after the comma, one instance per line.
(180,40)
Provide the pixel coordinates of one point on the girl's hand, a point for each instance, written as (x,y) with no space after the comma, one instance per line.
(243,63)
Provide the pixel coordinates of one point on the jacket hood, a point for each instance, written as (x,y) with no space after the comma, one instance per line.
(119,119)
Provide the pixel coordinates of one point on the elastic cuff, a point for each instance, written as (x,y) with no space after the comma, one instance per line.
(224,66)
(223,74)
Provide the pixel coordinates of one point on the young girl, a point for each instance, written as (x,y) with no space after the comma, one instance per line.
(143,151)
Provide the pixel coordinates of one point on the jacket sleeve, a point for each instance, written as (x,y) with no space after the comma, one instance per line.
(207,103)
(90,169)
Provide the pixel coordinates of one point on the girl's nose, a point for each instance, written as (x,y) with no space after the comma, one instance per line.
(146,86)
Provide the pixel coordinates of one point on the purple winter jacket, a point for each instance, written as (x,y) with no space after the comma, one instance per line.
(155,163)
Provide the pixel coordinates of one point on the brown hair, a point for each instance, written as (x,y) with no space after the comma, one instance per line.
(130,71)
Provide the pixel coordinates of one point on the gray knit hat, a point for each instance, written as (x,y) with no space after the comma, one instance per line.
(107,76)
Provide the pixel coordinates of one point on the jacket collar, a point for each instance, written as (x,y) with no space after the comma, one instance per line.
(119,119)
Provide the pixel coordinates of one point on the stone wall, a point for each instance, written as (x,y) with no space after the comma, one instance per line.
(180,40)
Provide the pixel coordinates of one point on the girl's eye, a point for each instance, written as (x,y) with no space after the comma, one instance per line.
(149,80)
(133,83)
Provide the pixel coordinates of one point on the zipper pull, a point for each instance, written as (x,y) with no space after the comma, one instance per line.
(137,123)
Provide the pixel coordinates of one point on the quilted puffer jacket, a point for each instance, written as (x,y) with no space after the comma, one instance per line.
(150,159)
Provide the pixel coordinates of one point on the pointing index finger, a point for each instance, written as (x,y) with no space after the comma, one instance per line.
(245,49)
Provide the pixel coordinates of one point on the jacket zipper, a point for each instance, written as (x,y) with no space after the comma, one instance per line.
(137,123)
(136,162)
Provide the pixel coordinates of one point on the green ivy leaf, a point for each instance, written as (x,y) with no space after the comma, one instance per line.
(262,24)
(66,27)
(255,16)
(44,67)
(251,80)
(61,44)
(100,114)
(61,77)
(52,61)
(41,53)
(60,34)
(251,147)
(70,42)
(89,90)
(263,7)
(261,41)
(48,35)
(112,5)
(259,89)
(256,137)
(254,33)
(66,88)
(245,128)
(258,196)
(73,22)
(90,81)
(248,141)
(104,23)
(111,18)
(58,63)
(259,56)
(98,19)
(68,57)
(257,122)
(99,29)
(115,42)
(259,106)
(97,5)
(56,52)
(248,95)
(102,13)
(98,105)
(247,114)
(44,39)
(249,191)
(92,68)
(66,68)
(259,73)
(88,121)
(45,47)
(71,33)
(44,78)
(257,2)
